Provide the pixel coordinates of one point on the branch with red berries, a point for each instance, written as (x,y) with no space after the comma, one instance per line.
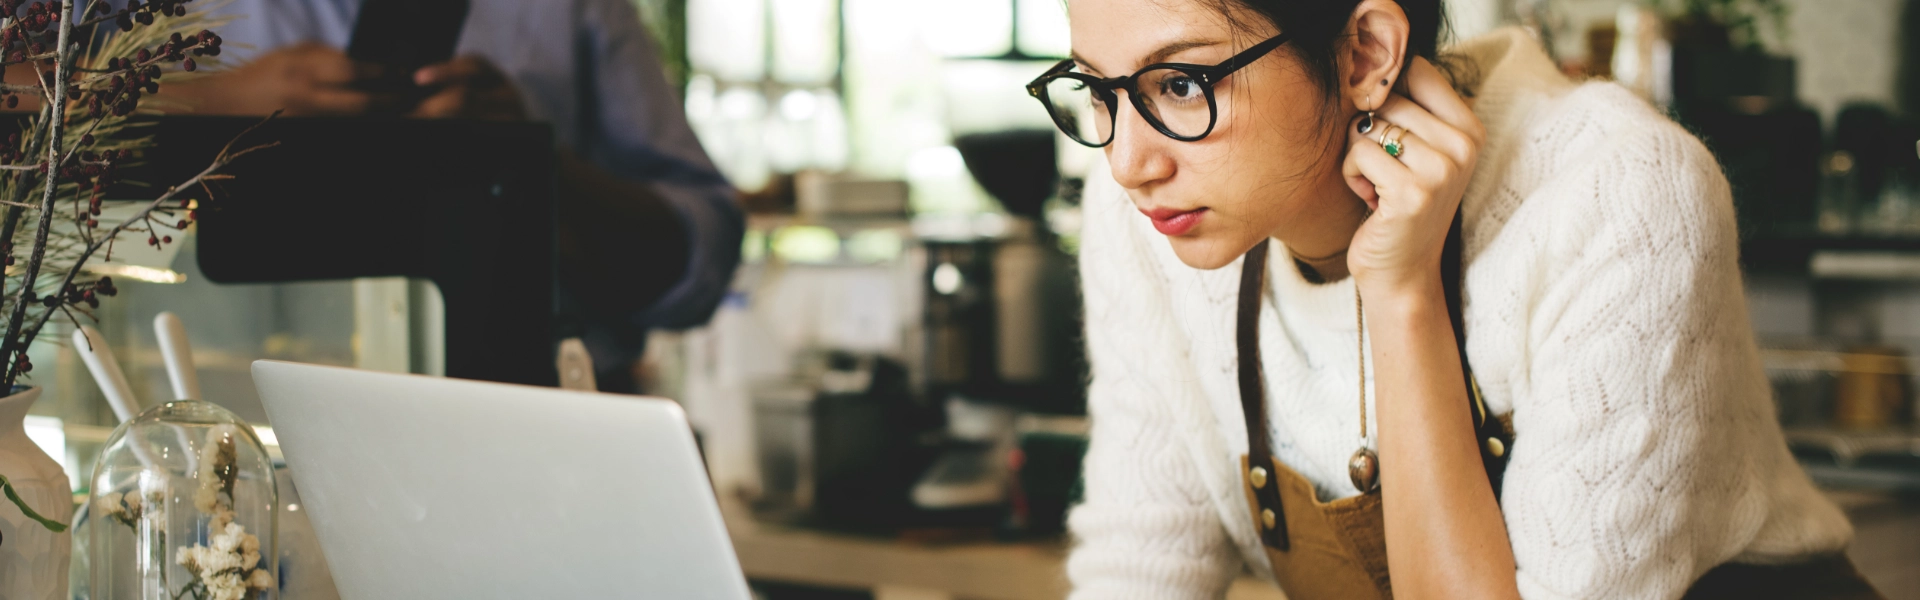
(55,171)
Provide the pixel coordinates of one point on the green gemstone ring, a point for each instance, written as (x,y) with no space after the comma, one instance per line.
(1390,140)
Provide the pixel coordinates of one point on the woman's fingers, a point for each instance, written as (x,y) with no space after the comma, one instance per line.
(1443,136)
(1416,189)
(1368,169)
(1374,173)
(1429,87)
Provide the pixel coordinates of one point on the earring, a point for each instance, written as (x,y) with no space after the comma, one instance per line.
(1366,123)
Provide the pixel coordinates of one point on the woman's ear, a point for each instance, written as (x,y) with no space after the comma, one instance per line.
(1375,51)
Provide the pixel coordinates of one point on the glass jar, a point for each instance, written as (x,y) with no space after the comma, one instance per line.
(183,507)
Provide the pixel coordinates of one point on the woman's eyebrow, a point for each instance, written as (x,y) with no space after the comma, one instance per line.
(1158,55)
(1177,47)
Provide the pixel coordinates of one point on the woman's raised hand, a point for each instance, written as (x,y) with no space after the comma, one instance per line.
(1415,194)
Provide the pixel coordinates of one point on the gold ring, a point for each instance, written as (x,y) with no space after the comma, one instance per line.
(1381,138)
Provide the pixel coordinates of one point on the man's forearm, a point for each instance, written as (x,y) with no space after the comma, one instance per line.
(621,245)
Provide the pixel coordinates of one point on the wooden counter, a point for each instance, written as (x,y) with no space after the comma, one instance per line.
(900,570)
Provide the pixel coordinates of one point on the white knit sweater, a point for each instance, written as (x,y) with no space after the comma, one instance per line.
(1603,309)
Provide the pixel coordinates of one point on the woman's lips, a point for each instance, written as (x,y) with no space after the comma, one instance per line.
(1170,221)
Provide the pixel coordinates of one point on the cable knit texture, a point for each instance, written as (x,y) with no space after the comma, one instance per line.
(1604,309)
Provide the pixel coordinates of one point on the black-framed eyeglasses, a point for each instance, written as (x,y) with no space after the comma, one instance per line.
(1179,101)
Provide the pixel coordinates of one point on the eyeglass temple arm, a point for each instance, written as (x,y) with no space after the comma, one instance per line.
(1246,57)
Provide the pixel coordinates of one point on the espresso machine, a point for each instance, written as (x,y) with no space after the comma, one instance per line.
(1001,324)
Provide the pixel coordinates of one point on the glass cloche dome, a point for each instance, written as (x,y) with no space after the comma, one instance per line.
(183,507)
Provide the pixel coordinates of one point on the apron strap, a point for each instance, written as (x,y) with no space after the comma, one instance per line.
(1496,442)
(1253,405)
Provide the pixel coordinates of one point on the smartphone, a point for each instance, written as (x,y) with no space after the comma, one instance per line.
(394,38)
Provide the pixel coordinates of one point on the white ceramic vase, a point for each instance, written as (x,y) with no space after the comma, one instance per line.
(33,560)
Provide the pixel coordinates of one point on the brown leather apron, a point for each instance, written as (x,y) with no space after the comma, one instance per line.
(1338,550)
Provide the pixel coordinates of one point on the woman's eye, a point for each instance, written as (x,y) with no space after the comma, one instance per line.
(1180,87)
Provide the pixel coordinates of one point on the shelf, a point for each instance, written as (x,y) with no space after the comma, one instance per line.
(1887,459)
(1793,251)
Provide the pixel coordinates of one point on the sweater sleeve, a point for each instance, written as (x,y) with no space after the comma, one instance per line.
(1646,438)
(1147,528)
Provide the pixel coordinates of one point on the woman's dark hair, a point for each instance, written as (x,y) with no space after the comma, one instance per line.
(1318,28)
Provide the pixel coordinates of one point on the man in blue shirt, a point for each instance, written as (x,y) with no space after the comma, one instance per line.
(649,231)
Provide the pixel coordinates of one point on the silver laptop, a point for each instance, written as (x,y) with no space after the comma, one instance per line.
(422,487)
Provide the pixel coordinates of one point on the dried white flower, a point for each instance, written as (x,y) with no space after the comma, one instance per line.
(225,566)
(226,586)
(187,558)
(217,470)
(206,499)
(261,580)
(227,540)
(110,505)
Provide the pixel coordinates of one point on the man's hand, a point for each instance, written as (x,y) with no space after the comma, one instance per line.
(468,87)
(305,80)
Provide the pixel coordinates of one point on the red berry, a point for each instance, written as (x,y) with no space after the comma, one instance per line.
(166,239)
(188,65)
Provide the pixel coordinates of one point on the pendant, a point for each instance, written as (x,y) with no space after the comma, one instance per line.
(1364,468)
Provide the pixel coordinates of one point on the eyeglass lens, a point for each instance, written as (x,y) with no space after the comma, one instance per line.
(1176,99)
(1078,112)
(1173,98)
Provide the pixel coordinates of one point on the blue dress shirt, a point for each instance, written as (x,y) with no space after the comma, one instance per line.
(590,69)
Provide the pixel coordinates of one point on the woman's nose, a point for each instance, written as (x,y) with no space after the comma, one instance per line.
(1137,154)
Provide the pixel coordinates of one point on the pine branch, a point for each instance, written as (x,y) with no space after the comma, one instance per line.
(220,161)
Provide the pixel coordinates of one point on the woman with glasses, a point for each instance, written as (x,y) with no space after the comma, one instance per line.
(1371,327)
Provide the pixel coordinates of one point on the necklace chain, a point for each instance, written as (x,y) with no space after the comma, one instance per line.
(1360,326)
